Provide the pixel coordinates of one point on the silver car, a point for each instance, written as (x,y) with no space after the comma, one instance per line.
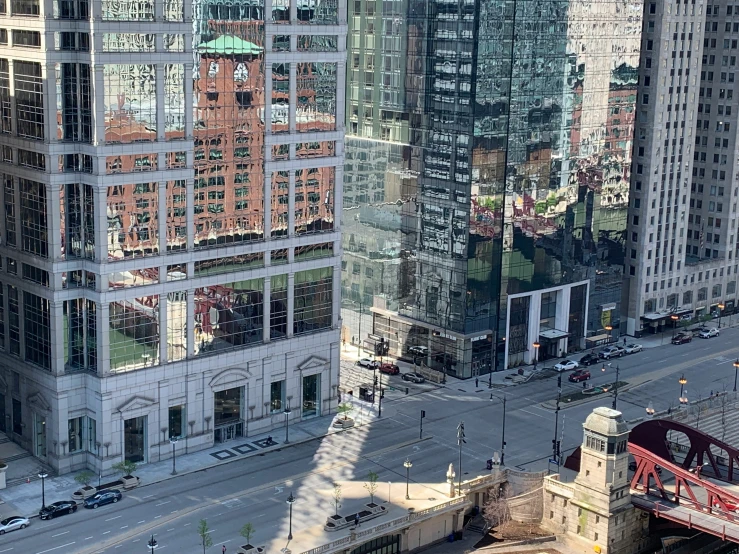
(12,523)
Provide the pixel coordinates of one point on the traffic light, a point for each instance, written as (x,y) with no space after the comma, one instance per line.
(460,434)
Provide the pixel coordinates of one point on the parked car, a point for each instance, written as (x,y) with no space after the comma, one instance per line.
(708,333)
(686,317)
(682,338)
(390,369)
(613,351)
(104,497)
(58,509)
(566,365)
(633,348)
(12,523)
(418,351)
(589,359)
(579,375)
(413,377)
(368,363)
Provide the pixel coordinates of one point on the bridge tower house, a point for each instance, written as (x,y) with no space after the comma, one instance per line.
(596,513)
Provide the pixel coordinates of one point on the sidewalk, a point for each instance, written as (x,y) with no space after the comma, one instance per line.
(25,499)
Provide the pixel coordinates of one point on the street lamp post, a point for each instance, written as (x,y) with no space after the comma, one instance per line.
(152,544)
(720,307)
(174,440)
(502,439)
(555,442)
(683,392)
(408,465)
(536,346)
(43,475)
(609,328)
(650,410)
(379,400)
(460,441)
(359,338)
(290,502)
(615,385)
(674,319)
(736,368)
(287,413)
(374,381)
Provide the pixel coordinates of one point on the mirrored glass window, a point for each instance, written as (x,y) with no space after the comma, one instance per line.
(130,101)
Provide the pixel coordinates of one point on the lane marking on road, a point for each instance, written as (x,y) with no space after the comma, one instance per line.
(7,549)
(224,542)
(60,534)
(135,540)
(106,532)
(124,526)
(157,517)
(56,548)
(112,518)
(174,511)
(533,414)
(119,546)
(186,524)
(171,529)
(163,503)
(660,361)
(142,521)
(147,496)
(87,538)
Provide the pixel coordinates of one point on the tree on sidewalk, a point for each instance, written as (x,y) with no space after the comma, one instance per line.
(247,531)
(345,409)
(337,498)
(204,533)
(371,485)
(84,478)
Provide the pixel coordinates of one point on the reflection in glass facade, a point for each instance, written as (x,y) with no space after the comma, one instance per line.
(492,182)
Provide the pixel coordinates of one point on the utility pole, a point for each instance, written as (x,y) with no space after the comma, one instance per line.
(359,338)
(423,415)
(555,441)
(460,441)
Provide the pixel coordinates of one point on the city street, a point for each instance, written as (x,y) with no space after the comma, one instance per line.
(255,489)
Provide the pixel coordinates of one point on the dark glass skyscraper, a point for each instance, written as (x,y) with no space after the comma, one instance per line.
(487,176)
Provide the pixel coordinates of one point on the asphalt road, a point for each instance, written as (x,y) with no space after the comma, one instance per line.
(254,489)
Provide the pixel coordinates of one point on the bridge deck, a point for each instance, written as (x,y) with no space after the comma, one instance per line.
(689,517)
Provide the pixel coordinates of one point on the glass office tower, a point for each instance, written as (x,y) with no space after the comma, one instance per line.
(170,239)
(487,177)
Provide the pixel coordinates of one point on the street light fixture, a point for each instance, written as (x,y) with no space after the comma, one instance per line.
(736,368)
(290,502)
(684,397)
(682,382)
(536,346)
(152,544)
(43,475)
(650,409)
(674,319)
(615,385)
(287,413)
(174,440)
(502,439)
(408,465)
(609,328)
(720,307)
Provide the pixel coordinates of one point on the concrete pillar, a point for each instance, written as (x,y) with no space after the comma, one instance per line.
(562,320)
(103,338)
(189,123)
(162,214)
(291,198)
(160,94)
(53,221)
(48,76)
(534,329)
(290,303)
(98,88)
(266,309)
(163,330)
(100,201)
(340,96)
(190,324)
(56,335)
(13,122)
(267,205)
(293,89)
(336,297)
(190,218)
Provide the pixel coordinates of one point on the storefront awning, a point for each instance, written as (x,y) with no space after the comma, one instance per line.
(553,334)
(657,316)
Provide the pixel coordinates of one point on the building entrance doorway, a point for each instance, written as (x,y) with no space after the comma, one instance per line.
(228,410)
(134,439)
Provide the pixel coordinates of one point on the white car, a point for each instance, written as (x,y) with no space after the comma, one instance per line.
(12,523)
(368,363)
(566,365)
(418,350)
(633,347)
(708,333)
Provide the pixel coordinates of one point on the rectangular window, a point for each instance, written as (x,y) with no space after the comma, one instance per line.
(34,228)
(29,94)
(28,39)
(17,417)
(37,330)
(25,7)
(177,421)
(14,321)
(277,396)
(313,300)
(74,434)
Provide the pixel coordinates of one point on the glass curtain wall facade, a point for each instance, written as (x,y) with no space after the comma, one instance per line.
(495,173)
(171,210)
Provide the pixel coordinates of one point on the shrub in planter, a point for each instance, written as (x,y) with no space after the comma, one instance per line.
(126,469)
(84,478)
(247,531)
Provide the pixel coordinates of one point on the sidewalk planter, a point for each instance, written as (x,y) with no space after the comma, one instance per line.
(84,492)
(336,522)
(130,481)
(341,423)
(249,549)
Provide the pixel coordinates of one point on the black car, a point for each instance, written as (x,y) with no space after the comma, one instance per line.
(105,497)
(58,509)
(589,359)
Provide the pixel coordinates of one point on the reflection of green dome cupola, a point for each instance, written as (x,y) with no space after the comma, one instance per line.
(228,45)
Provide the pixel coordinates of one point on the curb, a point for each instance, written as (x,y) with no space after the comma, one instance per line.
(156,523)
(552,404)
(243,457)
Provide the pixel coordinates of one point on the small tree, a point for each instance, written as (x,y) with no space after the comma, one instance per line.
(495,510)
(204,533)
(126,467)
(84,478)
(337,497)
(247,531)
(371,485)
(345,409)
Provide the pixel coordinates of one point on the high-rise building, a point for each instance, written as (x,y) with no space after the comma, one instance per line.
(170,238)
(682,239)
(487,177)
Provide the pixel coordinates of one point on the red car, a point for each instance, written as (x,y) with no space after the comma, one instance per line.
(390,369)
(579,375)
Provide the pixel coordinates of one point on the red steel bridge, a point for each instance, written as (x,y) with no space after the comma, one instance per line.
(685,476)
